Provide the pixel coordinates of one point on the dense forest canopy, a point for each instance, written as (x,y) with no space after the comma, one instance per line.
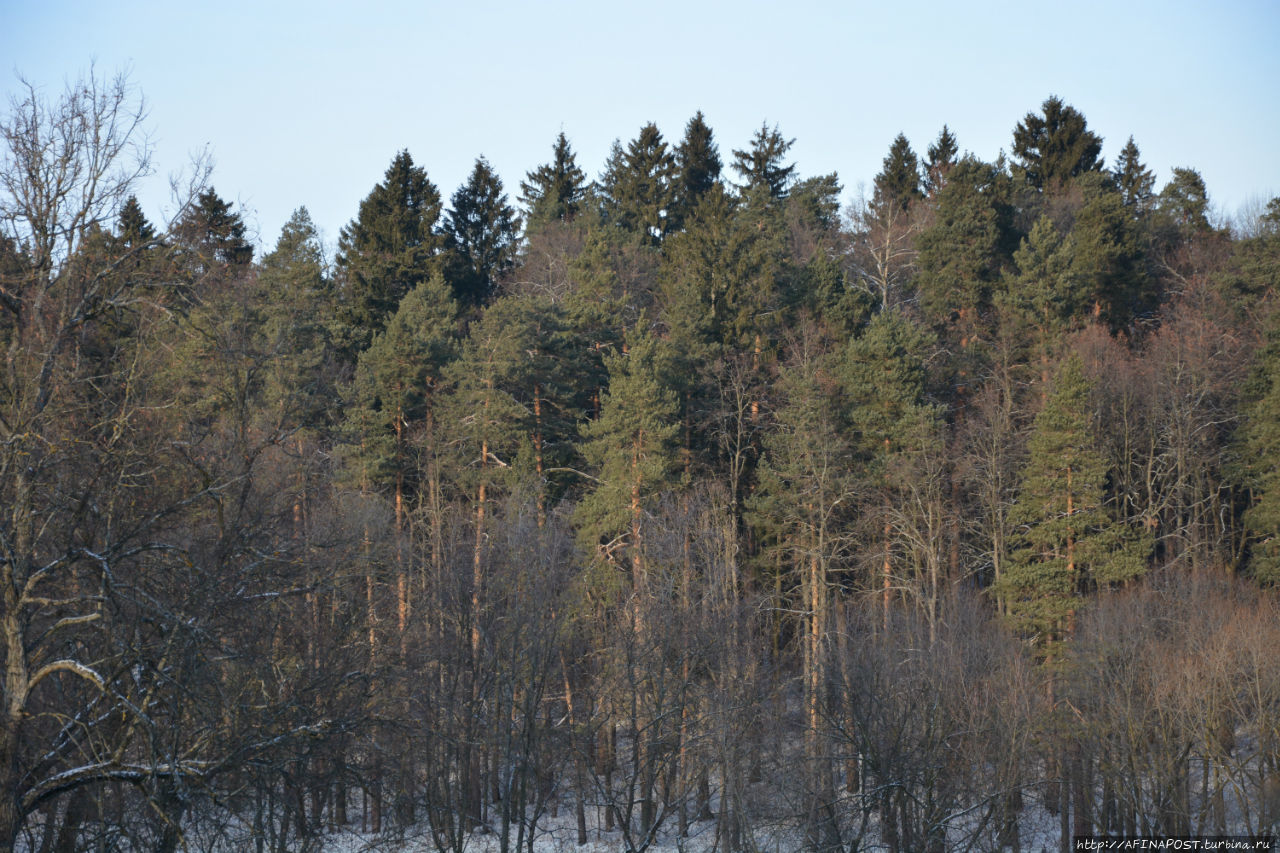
(682,499)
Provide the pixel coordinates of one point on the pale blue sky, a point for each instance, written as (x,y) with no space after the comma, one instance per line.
(306,103)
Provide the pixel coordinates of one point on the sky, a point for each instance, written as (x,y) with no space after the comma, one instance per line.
(306,104)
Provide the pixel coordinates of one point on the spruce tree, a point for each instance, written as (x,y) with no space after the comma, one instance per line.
(719,276)
(132,228)
(554,191)
(698,168)
(211,236)
(1056,145)
(882,374)
(480,231)
(296,264)
(1134,180)
(942,156)
(640,186)
(761,166)
(387,251)
(898,183)
(135,245)
(965,249)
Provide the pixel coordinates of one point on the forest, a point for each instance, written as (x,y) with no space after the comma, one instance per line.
(682,507)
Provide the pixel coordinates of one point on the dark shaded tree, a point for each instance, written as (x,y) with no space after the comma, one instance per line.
(761,166)
(1185,200)
(554,191)
(1134,180)
(942,155)
(1056,145)
(965,248)
(386,251)
(639,185)
(132,227)
(211,236)
(698,167)
(898,182)
(1066,543)
(480,232)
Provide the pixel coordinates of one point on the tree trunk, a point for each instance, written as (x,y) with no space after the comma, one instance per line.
(10,807)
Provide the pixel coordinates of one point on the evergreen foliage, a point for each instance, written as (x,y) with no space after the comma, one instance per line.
(397,381)
(639,184)
(132,227)
(386,251)
(761,166)
(698,166)
(1258,447)
(899,180)
(720,278)
(1056,145)
(1134,180)
(298,298)
(210,236)
(480,231)
(1066,542)
(883,375)
(963,252)
(479,519)
(1108,257)
(943,154)
(1184,200)
(554,191)
(632,449)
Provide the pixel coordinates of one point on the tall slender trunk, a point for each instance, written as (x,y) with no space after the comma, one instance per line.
(10,807)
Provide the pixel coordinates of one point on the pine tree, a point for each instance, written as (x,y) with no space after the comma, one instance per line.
(640,186)
(480,230)
(1067,543)
(1055,146)
(942,156)
(898,183)
(632,447)
(1185,201)
(396,384)
(1108,257)
(1134,180)
(387,251)
(761,166)
(554,191)
(1258,451)
(882,373)
(698,168)
(1043,297)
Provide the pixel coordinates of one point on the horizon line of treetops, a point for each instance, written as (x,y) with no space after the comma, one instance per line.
(954,260)
(607,501)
